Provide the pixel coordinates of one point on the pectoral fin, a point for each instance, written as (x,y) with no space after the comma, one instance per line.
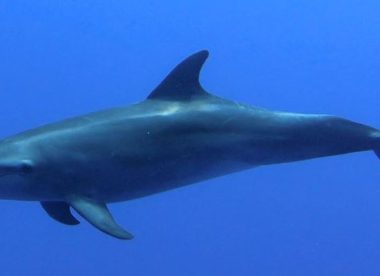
(99,216)
(60,211)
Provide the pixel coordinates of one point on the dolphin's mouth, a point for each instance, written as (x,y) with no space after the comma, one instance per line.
(7,169)
(4,174)
(16,168)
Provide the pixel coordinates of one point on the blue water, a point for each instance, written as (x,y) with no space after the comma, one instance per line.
(322,217)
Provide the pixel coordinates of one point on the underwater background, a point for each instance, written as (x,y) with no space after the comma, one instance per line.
(321,217)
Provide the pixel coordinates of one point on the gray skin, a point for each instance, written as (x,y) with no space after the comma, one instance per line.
(180,135)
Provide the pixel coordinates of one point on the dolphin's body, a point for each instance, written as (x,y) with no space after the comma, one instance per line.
(178,136)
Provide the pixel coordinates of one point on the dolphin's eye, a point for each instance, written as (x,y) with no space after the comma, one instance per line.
(26,167)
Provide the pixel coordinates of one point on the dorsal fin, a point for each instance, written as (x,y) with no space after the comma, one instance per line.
(182,83)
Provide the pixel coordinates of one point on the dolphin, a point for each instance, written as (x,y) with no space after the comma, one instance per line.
(179,135)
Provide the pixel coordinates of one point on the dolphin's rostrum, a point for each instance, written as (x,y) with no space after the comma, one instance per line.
(179,135)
